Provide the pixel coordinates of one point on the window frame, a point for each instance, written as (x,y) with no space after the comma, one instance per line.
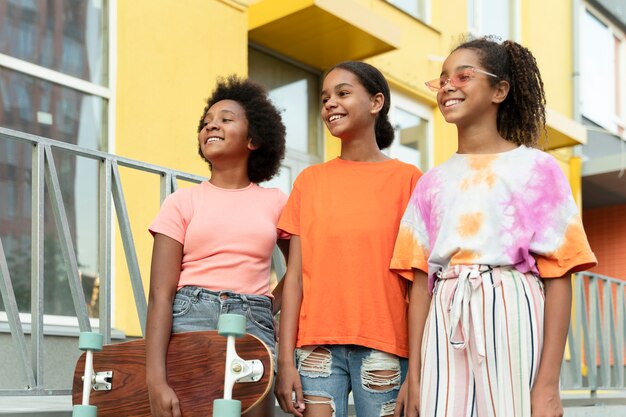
(296,160)
(515,24)
(408,104)
(617,122)
(425,4)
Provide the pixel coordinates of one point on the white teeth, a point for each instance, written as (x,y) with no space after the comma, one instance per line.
(213,139)
(335,117)
(452,102)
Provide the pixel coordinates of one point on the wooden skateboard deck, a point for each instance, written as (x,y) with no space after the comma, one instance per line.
(195,370)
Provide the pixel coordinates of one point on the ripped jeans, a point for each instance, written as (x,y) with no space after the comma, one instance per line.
(330,372)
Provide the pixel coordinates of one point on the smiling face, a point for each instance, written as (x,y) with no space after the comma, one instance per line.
(225,131)
(348,109)
(476,99)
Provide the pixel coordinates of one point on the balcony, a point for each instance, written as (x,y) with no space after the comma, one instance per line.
(320,33)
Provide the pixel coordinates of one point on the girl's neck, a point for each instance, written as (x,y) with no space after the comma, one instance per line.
(474,140)
(230,178)
(362,149)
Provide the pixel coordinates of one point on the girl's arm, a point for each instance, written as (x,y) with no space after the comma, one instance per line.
(167,255)
(283,245)
(419,305)
(288,378)
(545,394)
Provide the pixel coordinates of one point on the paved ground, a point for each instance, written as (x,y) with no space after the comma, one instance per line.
(611,404)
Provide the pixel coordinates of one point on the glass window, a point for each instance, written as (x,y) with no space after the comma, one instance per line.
(62,35)
(295,91)
(493,17)
(292,97)
(619,84)
(284,179)
(597,72)
(74,116)
(413,127)
(34,105)
(10,196)
(472,23)
(66,36)
(416,8)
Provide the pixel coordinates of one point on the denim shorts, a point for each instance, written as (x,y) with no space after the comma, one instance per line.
(331,372)
(196,309)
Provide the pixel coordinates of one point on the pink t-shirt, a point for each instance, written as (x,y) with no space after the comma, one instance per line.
(227,235)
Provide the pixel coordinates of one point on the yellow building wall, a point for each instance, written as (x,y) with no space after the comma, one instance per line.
(547,32)
(168,59)
(451,19)
(551,42)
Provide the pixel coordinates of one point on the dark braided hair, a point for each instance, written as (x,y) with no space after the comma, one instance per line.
(522,115)
(265,126)
(374,82)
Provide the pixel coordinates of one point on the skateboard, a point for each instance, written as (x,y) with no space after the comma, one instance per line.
(208,375)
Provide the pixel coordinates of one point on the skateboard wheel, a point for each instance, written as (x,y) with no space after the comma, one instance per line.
(84,411)
(90,341)
(226,408)
(231,324)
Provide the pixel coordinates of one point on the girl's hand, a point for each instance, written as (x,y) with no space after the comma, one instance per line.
(276,328)
(412,404)
(164,402)
(287,383)
(401,401)
(545,401)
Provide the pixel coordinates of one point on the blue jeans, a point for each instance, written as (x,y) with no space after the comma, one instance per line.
(197,309)
(333,371)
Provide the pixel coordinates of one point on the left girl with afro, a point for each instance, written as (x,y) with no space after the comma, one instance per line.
(265,127)
(213,242)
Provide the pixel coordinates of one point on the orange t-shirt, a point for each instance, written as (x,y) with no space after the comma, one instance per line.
(347,215)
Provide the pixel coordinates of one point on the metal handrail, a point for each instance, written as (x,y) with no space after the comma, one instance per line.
(44,173)
(595,357)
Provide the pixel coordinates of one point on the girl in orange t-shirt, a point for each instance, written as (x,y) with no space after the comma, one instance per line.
(213,241)
(344,312)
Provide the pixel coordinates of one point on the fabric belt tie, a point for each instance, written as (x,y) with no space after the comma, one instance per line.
(469,280)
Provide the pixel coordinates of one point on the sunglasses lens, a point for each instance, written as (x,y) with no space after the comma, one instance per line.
(434,84)
(459,79)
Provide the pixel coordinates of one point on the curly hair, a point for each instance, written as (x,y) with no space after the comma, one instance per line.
(374,82)
(522,115)
(265,125)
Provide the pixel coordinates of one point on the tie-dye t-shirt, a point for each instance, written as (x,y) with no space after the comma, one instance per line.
(511,208)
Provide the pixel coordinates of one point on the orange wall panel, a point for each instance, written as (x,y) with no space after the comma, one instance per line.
(606,231)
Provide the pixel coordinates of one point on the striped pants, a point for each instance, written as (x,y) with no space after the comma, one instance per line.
(482,343)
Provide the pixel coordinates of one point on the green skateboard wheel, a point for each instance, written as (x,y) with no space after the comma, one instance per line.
(231,324)
(90,341)
(226,408)
(84,411)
